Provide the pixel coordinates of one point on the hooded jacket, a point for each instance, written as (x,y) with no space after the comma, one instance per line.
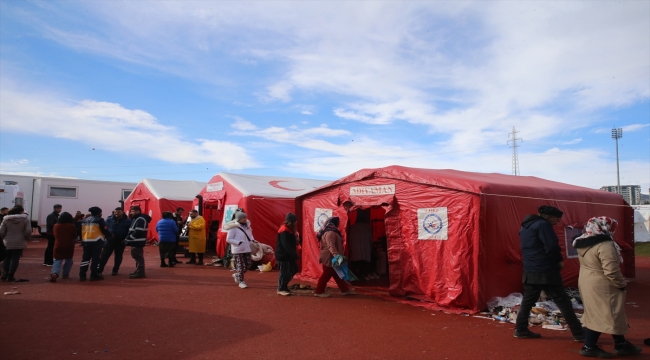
(540,247)
(15,230)
(285,246)
(239,237)
(138,232)
(167,230)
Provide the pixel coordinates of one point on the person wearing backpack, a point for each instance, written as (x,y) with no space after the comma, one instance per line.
(239,237)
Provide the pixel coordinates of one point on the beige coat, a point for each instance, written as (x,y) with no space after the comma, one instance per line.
(600,285)
(196,236)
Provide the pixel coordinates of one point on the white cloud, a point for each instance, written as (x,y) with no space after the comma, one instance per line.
(306,112)
(634,127)
(463,69)
(103,125)
(573,142)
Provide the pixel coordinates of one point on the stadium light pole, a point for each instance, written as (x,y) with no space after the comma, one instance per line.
(617,134)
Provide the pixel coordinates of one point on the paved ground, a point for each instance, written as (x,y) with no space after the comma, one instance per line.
(198,312)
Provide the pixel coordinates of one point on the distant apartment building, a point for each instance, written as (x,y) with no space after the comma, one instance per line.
(630,193)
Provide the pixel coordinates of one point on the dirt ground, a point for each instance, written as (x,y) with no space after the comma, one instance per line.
(198,312)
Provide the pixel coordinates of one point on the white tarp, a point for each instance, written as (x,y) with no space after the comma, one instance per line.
(174,190)
(272,186)
(641,223)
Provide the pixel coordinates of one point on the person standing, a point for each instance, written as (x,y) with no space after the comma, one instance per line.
(331,245)
(3,211)
(240,237)
(65,236)
(15,230)
(285,253)
(93,233)
(118,225)
(167,230)
(196,237)
(602,288)
(50,221)
(178,219)
(78,218)
(136,239)
(543,261)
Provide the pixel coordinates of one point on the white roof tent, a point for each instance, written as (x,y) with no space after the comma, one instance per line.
(173,189)
(271,186)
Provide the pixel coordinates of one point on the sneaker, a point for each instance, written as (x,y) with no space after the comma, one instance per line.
(191,262)
(284,293)
(162,264)
(527,334)
(596,352)
(243,285)
(11,278)
(349,292)
(137,276)
(96,278)
(627,349)
(114,273)
(4,276)
(322,295)
(82,278)
(53,277)
(234,276)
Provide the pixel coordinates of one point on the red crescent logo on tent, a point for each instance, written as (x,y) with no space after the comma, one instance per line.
(275,184)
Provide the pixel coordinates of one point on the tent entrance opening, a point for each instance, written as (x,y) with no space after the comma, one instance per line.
(367,246)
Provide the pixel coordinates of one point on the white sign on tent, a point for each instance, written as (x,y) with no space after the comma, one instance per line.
(218,186)
(228,212)
(433,223)
(320,216)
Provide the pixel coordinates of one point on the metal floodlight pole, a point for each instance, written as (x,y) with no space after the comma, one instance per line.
(617,134)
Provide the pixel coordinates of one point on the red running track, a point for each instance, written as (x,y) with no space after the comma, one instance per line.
(198,312)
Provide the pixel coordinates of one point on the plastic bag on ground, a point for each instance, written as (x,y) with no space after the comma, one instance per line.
(265,268)
(506,302)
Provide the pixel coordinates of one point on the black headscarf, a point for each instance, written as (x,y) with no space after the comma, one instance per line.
(331,224)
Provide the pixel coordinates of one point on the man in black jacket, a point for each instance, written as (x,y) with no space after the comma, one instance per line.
(50,221)
(119,225)
(543,261)
(136,239)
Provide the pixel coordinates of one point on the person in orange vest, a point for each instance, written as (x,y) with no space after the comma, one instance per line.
(93,234)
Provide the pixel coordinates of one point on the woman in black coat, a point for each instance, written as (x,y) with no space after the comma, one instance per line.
(285,253)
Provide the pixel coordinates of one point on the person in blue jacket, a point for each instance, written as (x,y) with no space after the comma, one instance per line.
(167,230)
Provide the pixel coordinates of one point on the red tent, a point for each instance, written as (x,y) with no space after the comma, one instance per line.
(451,236)
(266,200)
(155,196)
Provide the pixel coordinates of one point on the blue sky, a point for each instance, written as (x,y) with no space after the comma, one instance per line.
(183,90)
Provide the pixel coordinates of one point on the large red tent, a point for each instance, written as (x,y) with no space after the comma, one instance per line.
(452,236)
(266,200)
(155,196)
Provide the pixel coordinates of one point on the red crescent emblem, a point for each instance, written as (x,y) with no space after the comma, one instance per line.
(275,184)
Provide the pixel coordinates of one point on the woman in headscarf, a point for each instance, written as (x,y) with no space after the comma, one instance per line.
(602,288)
(331,244)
